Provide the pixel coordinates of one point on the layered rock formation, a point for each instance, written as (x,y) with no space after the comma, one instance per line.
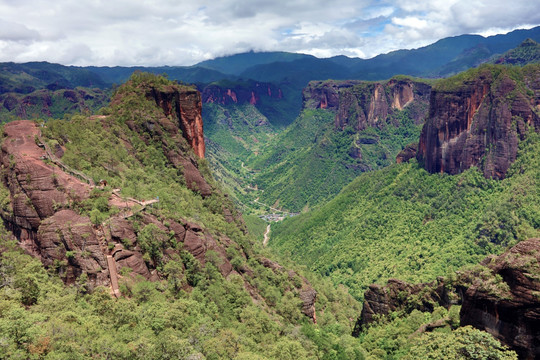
(362,104)
(42,198)
(38,194)
(180,119)
(500,296)
(478,120)
(241,93)
(185,107)
(507,302)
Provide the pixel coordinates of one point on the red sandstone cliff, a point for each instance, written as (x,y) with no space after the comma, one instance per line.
(185,107)
(362,103)
(246,92)
(479,121)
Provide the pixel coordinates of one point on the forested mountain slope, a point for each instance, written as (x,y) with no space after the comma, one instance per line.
(346,128)
(155,260)
(403,222)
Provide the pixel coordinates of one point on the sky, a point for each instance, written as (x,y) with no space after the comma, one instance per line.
(180,32)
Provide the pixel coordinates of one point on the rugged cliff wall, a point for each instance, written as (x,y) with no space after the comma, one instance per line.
(478,118)
(185,107)
(362,104)
(499,296)
(240,93)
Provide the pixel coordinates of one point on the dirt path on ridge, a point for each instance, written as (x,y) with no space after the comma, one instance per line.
(266,237)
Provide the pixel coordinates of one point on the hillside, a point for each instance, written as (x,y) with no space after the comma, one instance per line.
(429,224)
(346,128)
(46,103)
(402,222)
(155,260)
(528,52)
(28,77)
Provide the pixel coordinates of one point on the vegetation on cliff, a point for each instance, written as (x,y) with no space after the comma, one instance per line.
(427,224)
(313,159)
(189,309)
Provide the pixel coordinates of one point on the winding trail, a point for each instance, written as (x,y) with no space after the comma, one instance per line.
(266,237)
(63,166)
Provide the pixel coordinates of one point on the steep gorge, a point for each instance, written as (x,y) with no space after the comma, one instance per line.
(477,119)
(76,228)
(346,128)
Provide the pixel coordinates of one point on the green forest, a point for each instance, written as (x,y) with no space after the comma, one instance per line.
(364,220)
(429,225)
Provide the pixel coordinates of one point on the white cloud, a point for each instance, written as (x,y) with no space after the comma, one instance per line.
(411,22)
(12,31)
(182,32)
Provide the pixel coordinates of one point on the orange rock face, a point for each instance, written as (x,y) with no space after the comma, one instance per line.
(249,92)
(185,106)
(363,104)
(479,124)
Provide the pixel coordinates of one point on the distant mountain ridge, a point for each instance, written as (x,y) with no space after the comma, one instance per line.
(291,72)
(528,52)
(428,61)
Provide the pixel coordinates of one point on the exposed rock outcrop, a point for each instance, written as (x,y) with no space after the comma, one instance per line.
(250,92)
(41,217)
(181,119)
(305,291)
(185,107)
(408,153)
(362,104)
(479,121)
(507,304)
(39,192)
(500,296)
(399,295)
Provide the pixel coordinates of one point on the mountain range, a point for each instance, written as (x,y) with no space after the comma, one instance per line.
(138,210)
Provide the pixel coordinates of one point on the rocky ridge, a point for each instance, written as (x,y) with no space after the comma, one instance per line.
(42,201)
(361,104)
(499,296)
(478,119)
(52,102)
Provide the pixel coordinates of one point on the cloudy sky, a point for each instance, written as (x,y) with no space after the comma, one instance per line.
(180,32)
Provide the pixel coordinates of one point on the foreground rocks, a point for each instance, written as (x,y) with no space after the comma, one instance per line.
(507,304)
(500,296)
(39,210)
